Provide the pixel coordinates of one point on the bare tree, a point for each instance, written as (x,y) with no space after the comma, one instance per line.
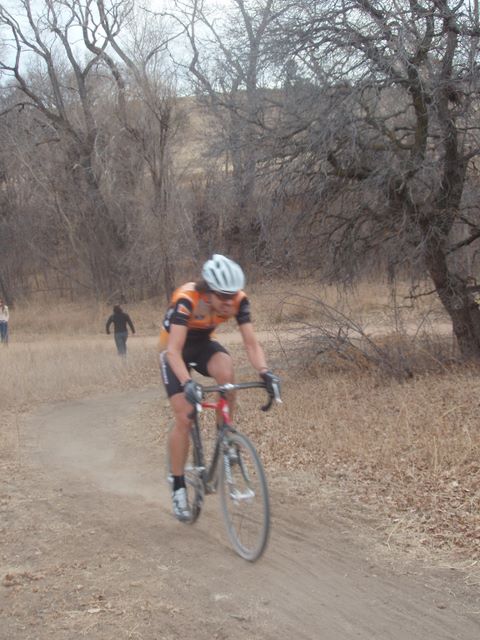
(103,115)
(45,34)
(32,234)
(383,144)
(229,66)
(151,119)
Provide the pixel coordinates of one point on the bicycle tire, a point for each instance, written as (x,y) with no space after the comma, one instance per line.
(244,497)
(193,482)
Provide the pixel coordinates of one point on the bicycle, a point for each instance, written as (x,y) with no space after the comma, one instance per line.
(235,471)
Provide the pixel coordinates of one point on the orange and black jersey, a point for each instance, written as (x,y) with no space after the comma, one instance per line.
(191,308)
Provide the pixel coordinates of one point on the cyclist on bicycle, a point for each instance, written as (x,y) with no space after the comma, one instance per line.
(186,341)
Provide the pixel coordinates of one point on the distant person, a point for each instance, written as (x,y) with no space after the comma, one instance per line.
(120,320)
(4,317)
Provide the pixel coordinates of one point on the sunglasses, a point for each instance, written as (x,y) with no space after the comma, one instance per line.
(224,296)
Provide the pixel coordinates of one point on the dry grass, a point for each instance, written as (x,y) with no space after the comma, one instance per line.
(50,370)
(33,321)
(406,452)
(409,451)
(274,304)
(371,304)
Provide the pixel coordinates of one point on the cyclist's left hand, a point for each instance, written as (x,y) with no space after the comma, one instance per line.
(272,383)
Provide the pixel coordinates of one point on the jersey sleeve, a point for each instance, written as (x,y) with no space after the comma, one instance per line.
(243,316)
(180,313)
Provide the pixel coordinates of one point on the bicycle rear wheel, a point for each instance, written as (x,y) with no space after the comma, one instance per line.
(244,496)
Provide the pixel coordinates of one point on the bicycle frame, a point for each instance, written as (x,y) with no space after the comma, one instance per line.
(208,474)
(222,407)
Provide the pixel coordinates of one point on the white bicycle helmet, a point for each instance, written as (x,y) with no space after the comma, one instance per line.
(223,275)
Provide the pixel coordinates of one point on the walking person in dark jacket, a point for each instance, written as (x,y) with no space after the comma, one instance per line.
(120,320)
(4,317)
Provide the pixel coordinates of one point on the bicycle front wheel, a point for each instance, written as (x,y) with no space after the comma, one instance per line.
(244,496)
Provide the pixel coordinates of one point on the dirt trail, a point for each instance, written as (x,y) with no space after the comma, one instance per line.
(89,549)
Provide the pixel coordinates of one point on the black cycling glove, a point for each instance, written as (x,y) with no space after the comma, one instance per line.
(272,383)
(193,391)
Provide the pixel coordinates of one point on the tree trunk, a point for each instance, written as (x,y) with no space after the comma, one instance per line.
(457,301)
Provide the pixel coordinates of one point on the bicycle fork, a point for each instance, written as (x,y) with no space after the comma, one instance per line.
(235,494)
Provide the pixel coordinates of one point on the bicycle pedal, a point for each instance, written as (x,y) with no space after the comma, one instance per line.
(242,496)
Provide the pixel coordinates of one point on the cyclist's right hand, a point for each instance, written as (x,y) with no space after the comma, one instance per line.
(193,391)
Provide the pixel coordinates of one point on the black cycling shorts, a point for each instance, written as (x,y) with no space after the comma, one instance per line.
(195,356)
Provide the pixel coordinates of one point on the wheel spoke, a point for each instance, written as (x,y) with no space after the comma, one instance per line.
(244,497)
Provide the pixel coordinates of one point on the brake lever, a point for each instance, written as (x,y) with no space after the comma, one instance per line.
(276,392)
(275,396)
(197,409)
